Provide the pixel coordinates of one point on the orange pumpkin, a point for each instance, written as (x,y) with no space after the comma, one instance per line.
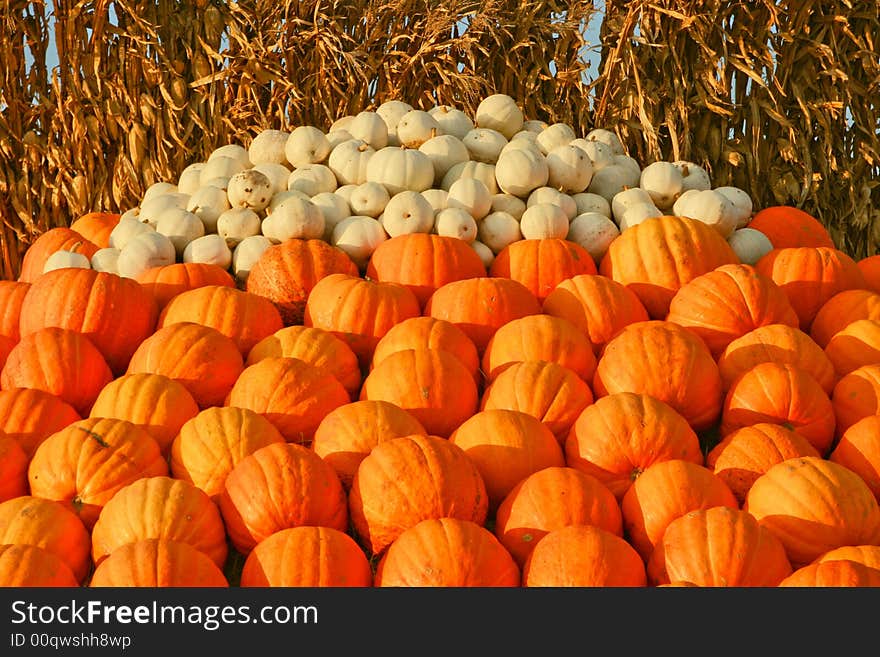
(30,416)
(870,267)
(96,227)
(54,239)
(841,310)
(278,486)
(621,435)
(307,557)
(541,264)
(443,552)
(787,226)
(165,282)
(12,294)
(23,565)
(666,361)
(856,345)
(833,574)
(859,450)
(158,562)
(13,469)
(869,555)
(409,479)
(856,395)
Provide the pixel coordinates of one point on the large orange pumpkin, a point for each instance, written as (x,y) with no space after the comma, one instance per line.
(856,395)
(541,264)
(787,226)
(841,310)
(279,486)
(656,257)
(409,479)
(23,565)
(167,281)
(442,552)
(13,469)
(621,435)
(870,267)
(12,294)
(158,563)
(96,227)
(868,555)
(666,361)
(30,416)
(859,450)
(856,345)
(833,574)
(54,239)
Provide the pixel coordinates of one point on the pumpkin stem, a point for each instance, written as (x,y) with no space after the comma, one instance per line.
(98,438)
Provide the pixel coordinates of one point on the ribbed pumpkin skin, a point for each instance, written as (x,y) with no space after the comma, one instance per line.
(810,276)
(507,446)
(855,396)
(778,343)
(85,464)
(286,273)
(315,346)
(292,394)
(431,384)
(859,450)
(597,305)
(430,333)
(480,306)
(31,566)
(583,556)
(116,314)
(869,555)
(61,362)
(166,282)
(666,361)
(780,393)
(854,346)
(349,433)
(160,507)
(279,486)
(200,358)
(12,294)
(244,317)
(719,546)
(786,226)
(157,562)
(660,255)
(152,402)
(307,557)
(96,227)
(547,391)
(30,416)
(664,492)
(54,239)
(621,435)
(725,304)
(213,442)
(424,262)
(550,499)
(745,454)
(13,469)
(359,311)
(540,337)
(870,267)
(813,505)
(541,264)
(444,552)
(833,574)
(30,520)
(841,310)
(409,479)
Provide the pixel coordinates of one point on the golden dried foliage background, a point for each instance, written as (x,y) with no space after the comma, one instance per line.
(779,98)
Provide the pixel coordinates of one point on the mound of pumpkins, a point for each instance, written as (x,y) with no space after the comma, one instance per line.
(422,348)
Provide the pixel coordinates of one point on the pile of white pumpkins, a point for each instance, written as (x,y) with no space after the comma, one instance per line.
(489,180)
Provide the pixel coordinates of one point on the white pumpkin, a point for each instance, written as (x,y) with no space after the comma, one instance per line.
(369,199)
(306,145)
(276,173)
(636,214)
(600,154)
(232,151)
(749,245)
(336,137)
(153,208)
(294,218)
(693,176)
(407,212)
(570,169)
(512,205)
(551,195)
(484,252)
(220,182)
(484,144)
(589,202)
(181,227)
(742,203)
(334,207)
(251,189)
(609,181)
(452,120)
(312,179)
(391,111)
(106,260)
(631,166)
(456,222)
(158,189)
(522,139)
(358,236)
(127,229)
(345,191)
(349,161)
(471,195)
(236,224)
(207,204)
(663,182)
(519,172)
(131,213)
(535,126)
(268,147)
(498,229)
(280,197)
(544,221)
(220,167)
(606,137)
(681,203)
(246,255)
(399,168)
(210,249)
(63,259)
(436,198)
(341,123)
(499,112)
(594,231)
(190,178)
(369,127)
(627,198)
(555,135)
(444,151)
(710,207)
(145,251)
(416,127)
(482,171)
